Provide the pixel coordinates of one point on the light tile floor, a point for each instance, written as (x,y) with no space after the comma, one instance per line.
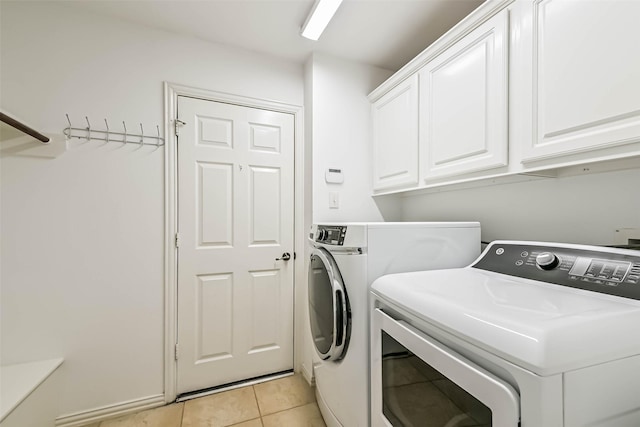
(285,402)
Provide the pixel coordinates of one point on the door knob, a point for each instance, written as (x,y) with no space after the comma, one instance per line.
(285,257)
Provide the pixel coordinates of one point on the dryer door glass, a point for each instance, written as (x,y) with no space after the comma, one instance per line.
(417,381)
(328,308)
(413,391)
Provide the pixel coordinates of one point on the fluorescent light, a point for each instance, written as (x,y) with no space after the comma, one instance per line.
(320,16)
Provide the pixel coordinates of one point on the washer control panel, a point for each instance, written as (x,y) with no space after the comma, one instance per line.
(331,234)
(605,270)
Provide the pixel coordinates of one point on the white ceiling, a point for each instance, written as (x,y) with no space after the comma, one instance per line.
(385,33)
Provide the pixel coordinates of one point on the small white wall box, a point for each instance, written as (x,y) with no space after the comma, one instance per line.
(334,176)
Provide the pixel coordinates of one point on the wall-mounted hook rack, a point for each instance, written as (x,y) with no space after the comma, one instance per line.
(90,133)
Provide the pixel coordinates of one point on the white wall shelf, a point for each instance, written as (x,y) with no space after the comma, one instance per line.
(19,383)
(19,139)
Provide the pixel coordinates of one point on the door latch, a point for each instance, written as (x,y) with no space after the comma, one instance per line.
(179,123)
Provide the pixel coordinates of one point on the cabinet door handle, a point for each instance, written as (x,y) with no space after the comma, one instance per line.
(285,257)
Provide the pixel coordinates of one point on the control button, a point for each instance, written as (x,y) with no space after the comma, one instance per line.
(615,279)
(599,282)
(499,251)
(633,277)
(547,261)
(573,277)
(519,262)
(322,234)
(524,254)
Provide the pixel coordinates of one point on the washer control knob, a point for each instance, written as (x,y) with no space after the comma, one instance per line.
(322,234)
(547,261)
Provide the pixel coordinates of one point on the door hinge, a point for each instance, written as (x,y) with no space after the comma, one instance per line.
(179,123)
(177,240)
(176,352)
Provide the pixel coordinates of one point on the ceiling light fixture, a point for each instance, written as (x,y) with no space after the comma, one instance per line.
(321,14)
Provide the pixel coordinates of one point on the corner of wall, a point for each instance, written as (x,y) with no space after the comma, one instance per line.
(341,136)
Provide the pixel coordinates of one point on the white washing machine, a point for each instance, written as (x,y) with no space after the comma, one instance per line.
(345,259)
(532,334)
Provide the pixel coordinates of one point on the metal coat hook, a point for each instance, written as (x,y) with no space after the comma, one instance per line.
(91,133)
(88,128)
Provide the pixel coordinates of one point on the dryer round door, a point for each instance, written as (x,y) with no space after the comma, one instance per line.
(328,306)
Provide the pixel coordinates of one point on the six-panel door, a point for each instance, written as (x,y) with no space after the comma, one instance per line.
(235,217)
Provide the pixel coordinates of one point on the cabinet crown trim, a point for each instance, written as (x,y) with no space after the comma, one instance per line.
(460,30)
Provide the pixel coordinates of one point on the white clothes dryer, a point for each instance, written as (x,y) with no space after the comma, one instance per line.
(345,260)
(532,334)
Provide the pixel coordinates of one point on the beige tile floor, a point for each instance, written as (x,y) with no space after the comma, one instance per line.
(285,402)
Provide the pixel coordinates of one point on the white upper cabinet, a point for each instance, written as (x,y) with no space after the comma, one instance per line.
(518,88)
(584,85)
(395,137)
(463,103)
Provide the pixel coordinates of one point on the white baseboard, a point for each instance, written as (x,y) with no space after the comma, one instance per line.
(308,375)
(110,411)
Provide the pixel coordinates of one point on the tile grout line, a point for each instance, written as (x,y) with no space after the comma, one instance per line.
(255,396)
(288,409)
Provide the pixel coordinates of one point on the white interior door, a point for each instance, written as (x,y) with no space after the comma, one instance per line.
(235,218)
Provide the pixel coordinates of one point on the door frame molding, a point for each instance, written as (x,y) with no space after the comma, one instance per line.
(171,93)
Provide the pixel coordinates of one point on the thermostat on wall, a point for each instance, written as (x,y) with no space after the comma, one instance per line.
(334,176)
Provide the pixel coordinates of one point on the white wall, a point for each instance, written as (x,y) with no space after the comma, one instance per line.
(583,209)
(341,137)
(83,234)
(337,135)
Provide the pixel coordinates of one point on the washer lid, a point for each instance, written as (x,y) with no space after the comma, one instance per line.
(542,327)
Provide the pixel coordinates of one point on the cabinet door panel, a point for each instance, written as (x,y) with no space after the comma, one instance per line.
(395,137)
(463,104)
(458,92)
(586,65)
